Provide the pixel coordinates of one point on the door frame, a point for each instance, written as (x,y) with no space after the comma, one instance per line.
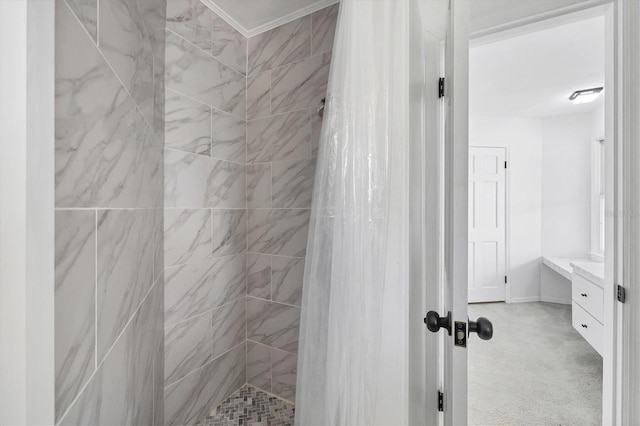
(27,182)
(507,210)
(622,344)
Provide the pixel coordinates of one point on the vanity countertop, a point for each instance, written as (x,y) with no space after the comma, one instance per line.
(591,270)
(562,265)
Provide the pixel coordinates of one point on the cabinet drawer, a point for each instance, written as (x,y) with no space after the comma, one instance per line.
(588,295)
(587,326)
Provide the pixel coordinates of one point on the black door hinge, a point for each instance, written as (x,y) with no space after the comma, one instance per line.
(440,401)
(505,164)
(505,279)
(622,294)
(441,87)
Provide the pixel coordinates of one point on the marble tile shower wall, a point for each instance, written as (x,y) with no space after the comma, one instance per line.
(109,137)
(288,70)
(205,223)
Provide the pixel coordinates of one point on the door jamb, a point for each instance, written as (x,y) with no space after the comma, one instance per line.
(618,389)
(27,173)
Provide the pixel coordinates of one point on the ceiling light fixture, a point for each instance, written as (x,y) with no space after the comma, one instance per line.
(585,96)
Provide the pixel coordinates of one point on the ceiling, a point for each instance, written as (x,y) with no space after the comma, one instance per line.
(533,75)
(486,14)
(252,17)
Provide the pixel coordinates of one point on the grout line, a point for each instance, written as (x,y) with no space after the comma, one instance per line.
(204,51)
(275,255)
(280,208)
(95,306)
(202,366)
(271,278)
(207,312)
(274,301)
(210,132)
(270,94)
(279,114)
(115,74)
(95,42)
(271,185)
(311,33)
(210,212)
(111,208)
(98,24)
(214,209)
(270,370)
(270,394)
(213,108)
(271,347)
(203,156)
(104,359)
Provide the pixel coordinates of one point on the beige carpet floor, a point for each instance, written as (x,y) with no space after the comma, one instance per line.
(537,370)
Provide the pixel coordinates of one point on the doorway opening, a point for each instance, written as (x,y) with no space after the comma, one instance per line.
(536,222)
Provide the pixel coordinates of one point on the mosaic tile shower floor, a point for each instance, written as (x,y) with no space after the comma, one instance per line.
(251,407)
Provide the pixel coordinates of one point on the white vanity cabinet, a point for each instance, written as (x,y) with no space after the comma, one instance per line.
(587,307)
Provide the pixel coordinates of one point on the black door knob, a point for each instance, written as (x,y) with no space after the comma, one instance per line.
(435,322)
(483,327)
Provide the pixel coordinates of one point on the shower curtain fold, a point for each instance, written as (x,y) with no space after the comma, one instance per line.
(353,353)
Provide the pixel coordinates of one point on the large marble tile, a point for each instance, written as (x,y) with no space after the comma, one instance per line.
(159,96)
(287,43)
(259,95)
(282,231)
(121,391)
(158,243)
(75,279)
(187,124)
(194,181)
(154,16)
(125,270)
(273,324)
(229,137)
(259,185)
(103,155)
(151,191)
(158,390)
(187,347)
(192,20)
(259,365)
(124,41)
(191,399)
(280,137)
(300,85)
(227,327)
(259,275)
(197,288)
(284,367)
(229,232)
(187,236)
(316,132)
(323,24)
(228,45)
(293,183)
(87,13)
(287,278)
(191,71)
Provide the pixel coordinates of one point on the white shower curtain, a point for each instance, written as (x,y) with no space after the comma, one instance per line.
(353,354)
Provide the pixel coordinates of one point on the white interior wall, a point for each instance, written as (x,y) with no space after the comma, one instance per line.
(566,193)
(523,139)
(566,185)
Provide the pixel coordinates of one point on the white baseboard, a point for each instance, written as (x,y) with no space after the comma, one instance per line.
(524,299)
(554,300)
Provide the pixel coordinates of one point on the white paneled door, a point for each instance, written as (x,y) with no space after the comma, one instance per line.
(487,224)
